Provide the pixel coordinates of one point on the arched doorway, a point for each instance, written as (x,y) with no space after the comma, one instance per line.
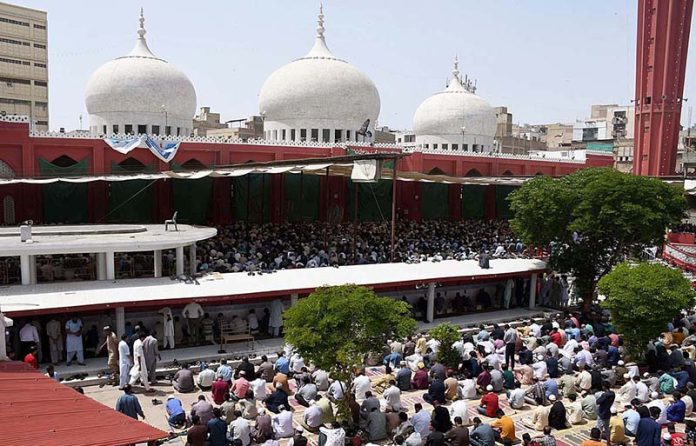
(62,202)
(130,201)
(192,198)
(473,173)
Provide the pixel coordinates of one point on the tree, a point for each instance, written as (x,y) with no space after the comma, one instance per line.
(335,328)
(642,298)
(447,334)
(594,219)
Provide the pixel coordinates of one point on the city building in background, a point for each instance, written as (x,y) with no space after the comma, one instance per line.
(24,64)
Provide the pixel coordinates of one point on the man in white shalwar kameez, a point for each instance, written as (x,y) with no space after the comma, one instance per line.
(139,369)
(168,327)
(275,321)
(124,361)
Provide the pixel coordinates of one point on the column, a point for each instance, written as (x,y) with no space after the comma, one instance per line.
(430,314)
(25,266)
(293,299)
(158,262)
(192,259)
(110,267)
(532,291)
(101,266)
(32,269)
(120,321)
(179,260)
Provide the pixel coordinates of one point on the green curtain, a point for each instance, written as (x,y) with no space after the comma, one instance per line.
(301,197)
(64,203)
(251,199)
(434,199)
(191,198)
(502,206)
(124,205)
(473,201)
(374,200)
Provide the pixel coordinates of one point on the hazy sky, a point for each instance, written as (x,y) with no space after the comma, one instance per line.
(546,60)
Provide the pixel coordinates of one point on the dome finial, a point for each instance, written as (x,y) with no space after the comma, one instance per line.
(141,30)
(320,22)
(455,70)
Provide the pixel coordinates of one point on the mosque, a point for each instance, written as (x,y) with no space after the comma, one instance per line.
(141,108)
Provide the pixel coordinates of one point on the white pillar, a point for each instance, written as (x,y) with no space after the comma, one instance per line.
(120,321)
(4,324)
(110,267)
(25,266)
(32,269)
(179,260)
(430,314)
(293,299)
(532,291)
(158,262)
(101,266)
(192,259)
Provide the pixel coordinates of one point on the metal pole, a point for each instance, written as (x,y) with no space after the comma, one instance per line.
(393,210)
(328,195)
(355,215)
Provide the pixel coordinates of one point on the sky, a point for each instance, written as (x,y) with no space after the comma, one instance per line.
(546,60)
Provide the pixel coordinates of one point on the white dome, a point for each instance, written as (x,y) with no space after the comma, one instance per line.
(138,90)
(455,115)
(318,92)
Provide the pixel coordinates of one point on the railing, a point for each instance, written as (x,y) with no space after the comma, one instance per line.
(683,256)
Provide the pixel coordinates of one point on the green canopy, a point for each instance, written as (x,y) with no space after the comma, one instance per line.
(251,197)
(473,201)
(64,203)
(374,200)
(434,201)
(130,201)
(191,198)
(301,197)
(502,205)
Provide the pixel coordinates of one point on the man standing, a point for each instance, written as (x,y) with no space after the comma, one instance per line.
(28,337)
(73,341)
(128,404)
(139,369)
(124,361)
(604,403)
(111,344)
(168,324)
(193,313)
(55,340)
(510,339)
(152,355)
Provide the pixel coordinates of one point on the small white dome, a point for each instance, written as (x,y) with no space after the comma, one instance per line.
(318,91)
(455,115)
(140,89)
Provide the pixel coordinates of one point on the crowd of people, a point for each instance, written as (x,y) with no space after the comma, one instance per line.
(244,246)
(557,373)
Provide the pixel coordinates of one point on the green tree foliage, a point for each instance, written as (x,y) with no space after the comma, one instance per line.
(594,219)
(335,328)
(643,298)
(447,334)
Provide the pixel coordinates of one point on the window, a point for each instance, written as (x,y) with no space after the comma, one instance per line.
(465,147)
(129,129)
(445,147)
(282,135)
(14,22)
(275,135)
(315,135)
(178,131)
(455,146)
(40,84)
(337,136)
(104,129)
(434,146)
(13,42)
(14,101)
(292,134)
(40,65)
(37,26)
(303,134)
(38,45)
(41,104)
(11,81)
(427,146)
(114,128)
(326,135)
(168,130)
(347,135)
(14,61)
(142,129)
(41,122)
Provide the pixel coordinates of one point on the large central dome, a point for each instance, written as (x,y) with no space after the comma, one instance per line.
(318,97)
(455,119)
(140,93)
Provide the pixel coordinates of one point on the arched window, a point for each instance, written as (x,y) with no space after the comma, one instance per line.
(193,164)
(8,208)
(63,161)
(508,173)
(473,173)
(436,171)
(132,165)
(5,170)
